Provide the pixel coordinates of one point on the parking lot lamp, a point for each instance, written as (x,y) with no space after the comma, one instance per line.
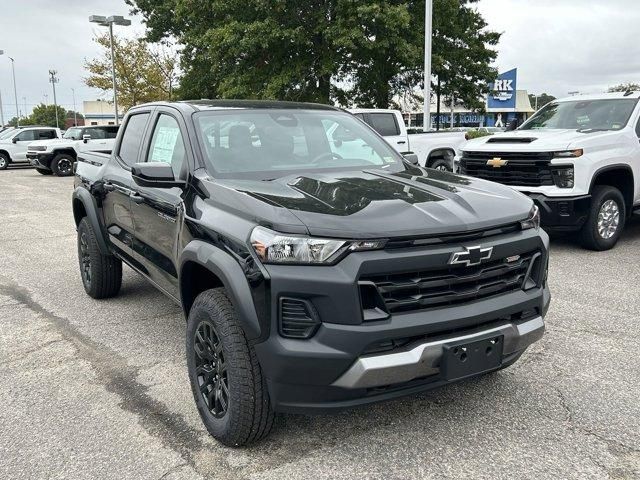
(109,22)
(15,90)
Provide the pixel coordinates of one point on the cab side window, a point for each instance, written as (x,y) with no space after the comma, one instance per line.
(638,128)
(26,136)
(132,138)
(46,134)
(385,124)
(167,145)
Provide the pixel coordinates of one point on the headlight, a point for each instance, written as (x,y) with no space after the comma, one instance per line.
(569,153)
(562,176)
(274,247)
(533,220)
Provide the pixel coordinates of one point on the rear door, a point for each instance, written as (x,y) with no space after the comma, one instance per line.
(116,205)
(159,212)
(387,125)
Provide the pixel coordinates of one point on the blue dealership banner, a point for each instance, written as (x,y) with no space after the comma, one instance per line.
(503,91)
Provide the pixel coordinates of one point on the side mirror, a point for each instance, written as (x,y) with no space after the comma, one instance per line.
(155,174)
(86,138)
(411,158)
(14,139)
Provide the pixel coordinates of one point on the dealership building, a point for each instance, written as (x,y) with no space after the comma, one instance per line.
(504,103)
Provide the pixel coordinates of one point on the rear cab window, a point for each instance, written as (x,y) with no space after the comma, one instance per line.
(384,123)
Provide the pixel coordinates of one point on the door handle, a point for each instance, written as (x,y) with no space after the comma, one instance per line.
(136,197)
(401,142)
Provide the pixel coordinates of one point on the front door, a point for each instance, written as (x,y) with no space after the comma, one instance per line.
(158,212)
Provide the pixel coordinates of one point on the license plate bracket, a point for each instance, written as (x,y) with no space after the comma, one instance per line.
(464,359)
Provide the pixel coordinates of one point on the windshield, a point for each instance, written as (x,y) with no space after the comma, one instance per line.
(73,134)
(272,143)
(7,133)
(609,114)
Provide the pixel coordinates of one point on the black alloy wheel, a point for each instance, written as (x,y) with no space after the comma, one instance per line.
(85,260)
(211,369)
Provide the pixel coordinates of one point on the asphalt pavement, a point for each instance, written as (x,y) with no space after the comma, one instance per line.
(98,389)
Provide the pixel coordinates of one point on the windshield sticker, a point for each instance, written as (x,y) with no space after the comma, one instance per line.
(164,145)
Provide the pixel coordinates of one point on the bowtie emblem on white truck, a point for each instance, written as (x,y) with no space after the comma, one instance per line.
(497,162)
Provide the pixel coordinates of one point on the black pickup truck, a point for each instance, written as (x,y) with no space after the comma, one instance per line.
(317,268)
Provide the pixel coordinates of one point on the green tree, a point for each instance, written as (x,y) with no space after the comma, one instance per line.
(363,52)
(143,73)
(542,99)
(625,87)
(45,115)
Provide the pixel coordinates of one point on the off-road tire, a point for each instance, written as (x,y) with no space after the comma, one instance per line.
(62,165)
(589,236)
(42,171)
(249,416)
(4,161)
(104,271)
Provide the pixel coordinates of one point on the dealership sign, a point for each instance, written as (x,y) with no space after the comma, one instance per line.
(503,90)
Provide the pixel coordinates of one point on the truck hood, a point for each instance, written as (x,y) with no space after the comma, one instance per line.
(535,140)
(57,142)
(374,203)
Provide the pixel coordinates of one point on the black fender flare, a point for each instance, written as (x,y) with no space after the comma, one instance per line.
(83,195)
(229,272)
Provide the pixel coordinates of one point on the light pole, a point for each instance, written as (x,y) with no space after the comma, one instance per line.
(109,22)
(54,80)
(15,90)
(24,102)
(75,119)
(426,123)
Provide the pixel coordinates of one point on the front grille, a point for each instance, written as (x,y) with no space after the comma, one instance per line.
(452,285)
(531,169)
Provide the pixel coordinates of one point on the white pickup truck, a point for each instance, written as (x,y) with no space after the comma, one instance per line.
(434,149)
(578,158)
(58,156)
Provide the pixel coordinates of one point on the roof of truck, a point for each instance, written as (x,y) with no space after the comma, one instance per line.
(600,96)
(205,104)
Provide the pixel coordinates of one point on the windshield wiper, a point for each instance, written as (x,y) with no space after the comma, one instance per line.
(590,130)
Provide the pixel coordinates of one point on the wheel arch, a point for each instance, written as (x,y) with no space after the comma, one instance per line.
(619,176)
(204,266)
(439,153)
(84,206)
(65,151)
(6,153)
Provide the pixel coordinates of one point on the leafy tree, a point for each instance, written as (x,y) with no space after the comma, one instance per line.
(625,87)
(363,52)
(45,115)
(542,99)
(143,73)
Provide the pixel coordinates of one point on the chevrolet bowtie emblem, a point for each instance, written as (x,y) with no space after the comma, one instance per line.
(471,256)
(497,162)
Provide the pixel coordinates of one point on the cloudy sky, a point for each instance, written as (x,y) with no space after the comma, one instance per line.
(557,45)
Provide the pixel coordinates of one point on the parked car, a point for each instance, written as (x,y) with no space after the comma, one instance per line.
(578,158)
(311,281)
(13,143)
(434,149)
(58,155)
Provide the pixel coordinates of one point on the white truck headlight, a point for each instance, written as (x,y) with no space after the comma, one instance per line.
(274,247)
(578,152)
(533,220)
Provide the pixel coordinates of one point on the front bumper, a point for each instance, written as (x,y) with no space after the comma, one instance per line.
(562,214)
(337,368)
(40,160)
(423,359)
